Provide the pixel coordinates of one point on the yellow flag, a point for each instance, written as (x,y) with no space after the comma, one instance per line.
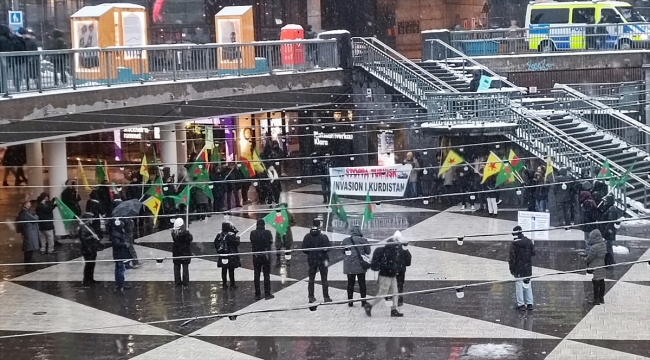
(153,204)
(144,169)
(256,162)
(452,159)
(82,175)
(549,168)
(492,166)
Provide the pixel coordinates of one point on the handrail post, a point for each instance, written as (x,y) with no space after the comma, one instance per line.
(108,66)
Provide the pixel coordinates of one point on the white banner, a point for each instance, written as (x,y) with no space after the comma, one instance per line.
(529,220)
(377,180)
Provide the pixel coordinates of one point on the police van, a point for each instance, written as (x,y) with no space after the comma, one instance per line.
(562,26)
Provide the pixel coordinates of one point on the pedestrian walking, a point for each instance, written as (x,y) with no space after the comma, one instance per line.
(355,262)
(284,241)
(27,226)
(182,239)
(317,259)
(520,260)
(89,246)
(45,212)
(564,196)
(596,258)
(121,253)
(261,241)
(384,260)
(226,243)
(403,261)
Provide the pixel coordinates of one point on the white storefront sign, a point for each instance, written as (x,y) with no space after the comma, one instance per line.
(136,133)
(529,220)
(320,138)
(388,181)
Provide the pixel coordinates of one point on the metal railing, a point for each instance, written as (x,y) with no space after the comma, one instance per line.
(92,67)
(469,108)
(442,51)
(543,38)
(394,73)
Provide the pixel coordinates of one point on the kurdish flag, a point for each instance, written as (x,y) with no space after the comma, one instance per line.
(515,162)
(623,179)
(82,174)
(337,208)
(215,157)
(492,167)
(505,175)
(156,189)
(144,169)
(246,168)
(279,220)
(256,163)
(100,172)
(367,211)
(183,197)
(66,214)
(153,204)
(452,159)
(549,168)
(605,172)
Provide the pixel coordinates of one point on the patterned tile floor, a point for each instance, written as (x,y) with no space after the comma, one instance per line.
(98,323)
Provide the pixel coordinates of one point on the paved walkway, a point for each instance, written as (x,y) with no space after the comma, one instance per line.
(98,323)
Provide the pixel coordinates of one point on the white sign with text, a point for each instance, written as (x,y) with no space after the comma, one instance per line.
(387,181)
(529,220)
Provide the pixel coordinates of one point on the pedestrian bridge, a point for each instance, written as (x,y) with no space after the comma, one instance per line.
(52,94)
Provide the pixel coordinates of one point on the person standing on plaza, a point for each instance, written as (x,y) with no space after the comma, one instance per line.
(284,241)
(596,258)
(261,241)
(589,215)
(182,240)
(541,193)
(121,253)
(227,243)
(564,196)
(27,226)
(353,264)
(403,260)
(412,189)
(609,227)
(317,259)
(466,181)
(384,260)
(45,212)
(94,207)
(71,198)
(520,261)
(89,246)
(323,170)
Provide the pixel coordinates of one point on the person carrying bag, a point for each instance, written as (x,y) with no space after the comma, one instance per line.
(356,262)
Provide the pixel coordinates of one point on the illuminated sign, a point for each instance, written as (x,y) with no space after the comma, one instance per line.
(136,133)
(320,138)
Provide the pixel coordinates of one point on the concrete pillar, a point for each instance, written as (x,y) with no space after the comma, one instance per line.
(314,14)
(57,164)
(168,150)
(181,147)
(35,169)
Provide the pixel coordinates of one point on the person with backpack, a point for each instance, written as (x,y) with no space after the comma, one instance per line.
(384,260)
(520,262)
(27,226)
(227,243)
(261,241)
(182,240)
(317,259)
(356,262)
(89,246)
(45,212)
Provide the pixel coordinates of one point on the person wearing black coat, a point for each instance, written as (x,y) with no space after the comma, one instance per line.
(94,207)
(589,215)
(218,187)
(261,240)
(476,80)
(285,241)
(27,226)
(182,240)
(89,246)
(610,227)
(71,198)
(120,242)
(227,242)
(45,212)
(520,261)
(403,260)
(318,260)
(466,180)
(385,261)
(564,196)
(541,193)
(5,46)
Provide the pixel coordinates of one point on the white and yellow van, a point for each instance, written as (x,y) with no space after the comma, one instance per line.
(562,25)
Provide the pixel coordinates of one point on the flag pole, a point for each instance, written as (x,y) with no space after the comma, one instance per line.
(329,211)
(86,226)
(247,229)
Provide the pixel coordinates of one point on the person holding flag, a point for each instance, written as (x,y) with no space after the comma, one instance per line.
(283,235)
(261,241)
(492,167)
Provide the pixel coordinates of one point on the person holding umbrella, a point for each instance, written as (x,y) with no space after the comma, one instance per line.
(120,252)
(126,210)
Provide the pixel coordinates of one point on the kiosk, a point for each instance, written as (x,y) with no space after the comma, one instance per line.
(103,27)
(235,28)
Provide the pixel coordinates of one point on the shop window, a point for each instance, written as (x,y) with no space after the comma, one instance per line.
(408,27)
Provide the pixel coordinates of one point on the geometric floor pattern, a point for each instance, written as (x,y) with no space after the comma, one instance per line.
(98,323)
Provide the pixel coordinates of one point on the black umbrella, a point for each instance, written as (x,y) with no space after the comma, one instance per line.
(129,208)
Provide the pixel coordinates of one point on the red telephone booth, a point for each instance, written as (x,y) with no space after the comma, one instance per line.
(292,54)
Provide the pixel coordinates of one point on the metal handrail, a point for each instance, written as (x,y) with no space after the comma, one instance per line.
(408,61)
(476,63)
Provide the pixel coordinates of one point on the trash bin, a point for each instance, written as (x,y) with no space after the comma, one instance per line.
(292,54)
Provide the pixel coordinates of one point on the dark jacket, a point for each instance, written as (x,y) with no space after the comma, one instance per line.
(589,212)
(596,255)
(611,213)
(287,239)
(71,199)
(563,195)
(29,226)
(541,190)
(182,240)
(58,43)
(403,259)
(120,241)
(316,239)
(45,212)
(227,242)
(522,251)
(384,259)
(5,39)
(89,243)
(352,262)
(94,207)
(476,81)
(261,240)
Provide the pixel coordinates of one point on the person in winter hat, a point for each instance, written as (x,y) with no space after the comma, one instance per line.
(522,250)
(384,260)
(318,260)
(45,211)
(121,253)
(353,263)
(589,215)
(89,246)
(609,227)
(261,240)
(227,243)
(182,240)
(27,226)
(596,258)
(403,260)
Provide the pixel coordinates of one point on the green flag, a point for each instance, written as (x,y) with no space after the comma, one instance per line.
(198,172)
(504,175)
(100,173)
(367,211)
(66,214)
(183,197)
(279,220)
(215,157)
(605,172)
(155,190)
(337,208)
(623,179)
